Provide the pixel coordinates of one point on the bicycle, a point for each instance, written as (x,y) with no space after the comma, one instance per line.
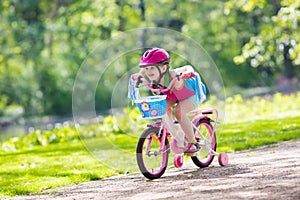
(154,144)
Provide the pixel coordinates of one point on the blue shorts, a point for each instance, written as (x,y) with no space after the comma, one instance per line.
(194,100)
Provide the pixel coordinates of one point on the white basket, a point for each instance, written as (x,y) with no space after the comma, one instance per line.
(152,107)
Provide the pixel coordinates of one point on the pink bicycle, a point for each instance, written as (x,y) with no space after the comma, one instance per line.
(156,141)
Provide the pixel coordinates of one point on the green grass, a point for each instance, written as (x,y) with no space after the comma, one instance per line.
(246,135)
(32,171)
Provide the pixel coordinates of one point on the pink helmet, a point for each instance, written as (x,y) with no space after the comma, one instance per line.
(154,56)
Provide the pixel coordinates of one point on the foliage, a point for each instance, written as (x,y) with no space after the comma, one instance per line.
(237,110)
(275,106)
(274,45)
(42,138)
(43,43)
(128,122)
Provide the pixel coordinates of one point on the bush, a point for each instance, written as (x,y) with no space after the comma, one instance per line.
(237,110)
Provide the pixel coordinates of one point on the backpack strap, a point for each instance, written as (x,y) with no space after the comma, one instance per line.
(200,88)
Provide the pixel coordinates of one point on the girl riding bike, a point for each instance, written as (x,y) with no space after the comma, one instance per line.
(185,95)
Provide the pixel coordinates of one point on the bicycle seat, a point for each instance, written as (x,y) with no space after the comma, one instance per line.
(207,112)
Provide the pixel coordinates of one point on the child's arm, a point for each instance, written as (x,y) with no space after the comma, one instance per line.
(185,69)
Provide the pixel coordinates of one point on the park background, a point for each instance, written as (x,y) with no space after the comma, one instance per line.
(254,44)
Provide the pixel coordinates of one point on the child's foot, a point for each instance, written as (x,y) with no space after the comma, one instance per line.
(192,148)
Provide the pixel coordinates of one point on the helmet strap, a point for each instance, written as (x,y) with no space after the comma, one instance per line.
(161,74)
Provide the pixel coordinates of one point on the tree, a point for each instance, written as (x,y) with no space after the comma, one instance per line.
(274,47)
(43,43)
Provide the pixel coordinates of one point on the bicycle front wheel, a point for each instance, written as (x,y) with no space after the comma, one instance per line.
(151,159)
(208,143)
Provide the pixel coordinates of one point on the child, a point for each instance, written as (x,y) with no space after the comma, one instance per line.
(184,95)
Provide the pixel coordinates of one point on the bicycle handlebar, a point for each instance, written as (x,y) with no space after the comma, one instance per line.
(146,83)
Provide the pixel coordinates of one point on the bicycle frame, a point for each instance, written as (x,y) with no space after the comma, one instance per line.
(165,127)
(202,114)
(162,130)
(199,114)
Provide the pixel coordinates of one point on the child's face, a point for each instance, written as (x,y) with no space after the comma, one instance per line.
(152,72)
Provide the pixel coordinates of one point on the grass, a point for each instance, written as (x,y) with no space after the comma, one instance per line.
(32,171)
(246,135)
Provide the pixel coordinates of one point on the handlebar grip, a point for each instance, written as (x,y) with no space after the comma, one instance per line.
(186,76)
(178,76)
(139,81)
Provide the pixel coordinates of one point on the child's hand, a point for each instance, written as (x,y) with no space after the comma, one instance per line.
(136,76)
(188,75)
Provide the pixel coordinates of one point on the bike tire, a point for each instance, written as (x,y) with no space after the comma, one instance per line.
(152,166)
(204,159)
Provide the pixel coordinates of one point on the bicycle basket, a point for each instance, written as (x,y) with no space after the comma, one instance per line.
(152,107)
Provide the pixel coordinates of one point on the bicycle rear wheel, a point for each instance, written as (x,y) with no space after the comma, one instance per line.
(151,160)
(205,156)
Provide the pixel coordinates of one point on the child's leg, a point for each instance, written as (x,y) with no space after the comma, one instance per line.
(180,111)
(169,123)
(170,104)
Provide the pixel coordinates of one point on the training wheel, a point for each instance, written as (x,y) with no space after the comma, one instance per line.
(223,159)
(178,161)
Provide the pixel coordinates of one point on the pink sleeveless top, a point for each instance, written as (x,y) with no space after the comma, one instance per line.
(183,91)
